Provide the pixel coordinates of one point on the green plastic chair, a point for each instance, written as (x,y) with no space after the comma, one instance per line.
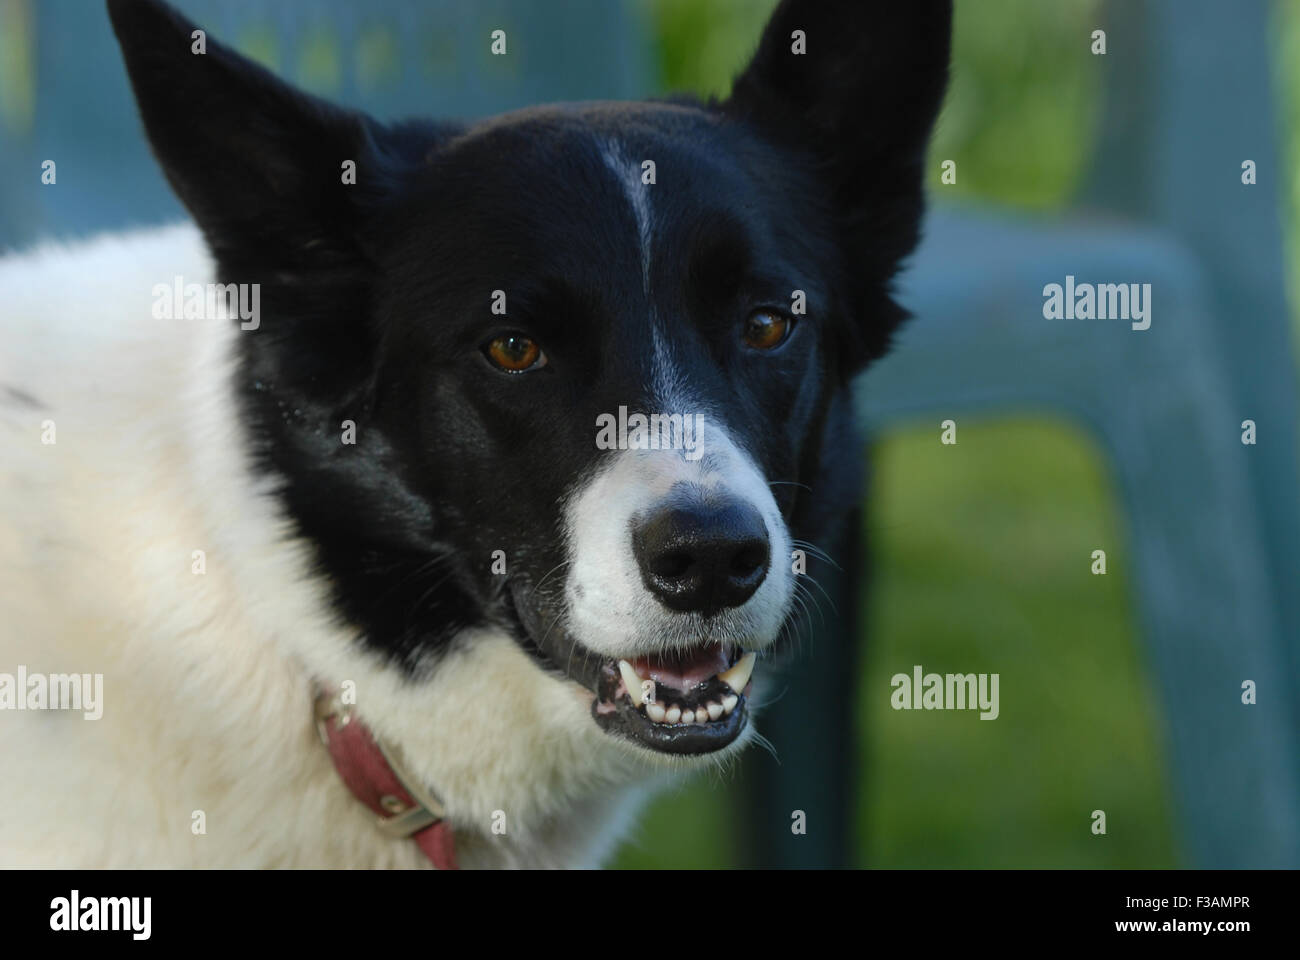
(1213,524)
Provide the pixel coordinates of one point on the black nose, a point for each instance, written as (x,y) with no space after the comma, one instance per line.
(700,553)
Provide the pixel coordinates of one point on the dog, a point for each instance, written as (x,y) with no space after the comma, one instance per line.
(465,508)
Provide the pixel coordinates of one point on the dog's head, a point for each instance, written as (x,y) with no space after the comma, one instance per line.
(595,355)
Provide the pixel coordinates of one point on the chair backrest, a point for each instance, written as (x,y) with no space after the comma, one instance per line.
(1190,100)
(1214,523)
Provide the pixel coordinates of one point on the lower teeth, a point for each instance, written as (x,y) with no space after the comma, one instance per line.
(677,716)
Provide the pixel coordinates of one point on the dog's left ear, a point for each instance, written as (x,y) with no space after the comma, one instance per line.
(257,163)
(285,187)
(858,85)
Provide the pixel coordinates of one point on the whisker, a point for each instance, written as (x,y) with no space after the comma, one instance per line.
(817,552)
(766,744)
(562,563)
(818,585)
(789,483)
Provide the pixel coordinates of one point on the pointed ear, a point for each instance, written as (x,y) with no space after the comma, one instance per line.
(862,97)
(257,163)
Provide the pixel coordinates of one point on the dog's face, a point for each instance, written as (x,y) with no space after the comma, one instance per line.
(596,355)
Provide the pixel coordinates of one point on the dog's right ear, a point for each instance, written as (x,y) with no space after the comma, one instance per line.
(258,164)
(858,85)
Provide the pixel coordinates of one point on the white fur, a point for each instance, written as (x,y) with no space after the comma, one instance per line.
(207,677)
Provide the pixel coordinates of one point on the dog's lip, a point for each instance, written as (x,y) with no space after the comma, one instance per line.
(556,651)
(630,722)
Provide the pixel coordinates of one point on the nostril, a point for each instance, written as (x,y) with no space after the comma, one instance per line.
(749,560)
(671,564)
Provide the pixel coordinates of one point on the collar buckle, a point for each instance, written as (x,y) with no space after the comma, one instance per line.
(404,819)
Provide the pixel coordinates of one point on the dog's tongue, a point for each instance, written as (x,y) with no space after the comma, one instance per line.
(683,671)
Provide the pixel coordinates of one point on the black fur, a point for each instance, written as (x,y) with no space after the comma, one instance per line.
(375,297)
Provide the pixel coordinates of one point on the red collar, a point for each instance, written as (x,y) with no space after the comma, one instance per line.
(376,779)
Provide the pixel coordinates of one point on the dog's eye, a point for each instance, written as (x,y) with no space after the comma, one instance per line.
(765,330)
(514,353)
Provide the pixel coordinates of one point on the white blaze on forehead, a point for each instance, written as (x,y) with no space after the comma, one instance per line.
(671,394)
(668,387)
(628,172)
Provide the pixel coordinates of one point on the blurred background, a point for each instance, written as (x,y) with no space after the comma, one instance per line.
(1119,692)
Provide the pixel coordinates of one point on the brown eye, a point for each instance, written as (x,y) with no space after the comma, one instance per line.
(515,353)
(765,330)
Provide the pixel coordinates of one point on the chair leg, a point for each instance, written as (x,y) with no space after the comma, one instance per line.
(813,727)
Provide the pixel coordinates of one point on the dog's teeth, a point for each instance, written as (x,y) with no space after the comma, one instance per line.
(738,676)
(631,680)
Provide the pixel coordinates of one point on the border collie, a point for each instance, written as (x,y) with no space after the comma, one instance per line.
(496,465)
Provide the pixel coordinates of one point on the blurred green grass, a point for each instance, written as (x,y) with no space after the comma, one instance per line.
(983,564)
(981,551)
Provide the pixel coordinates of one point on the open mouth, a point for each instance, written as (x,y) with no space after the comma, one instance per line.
(689,702)
(685,703)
